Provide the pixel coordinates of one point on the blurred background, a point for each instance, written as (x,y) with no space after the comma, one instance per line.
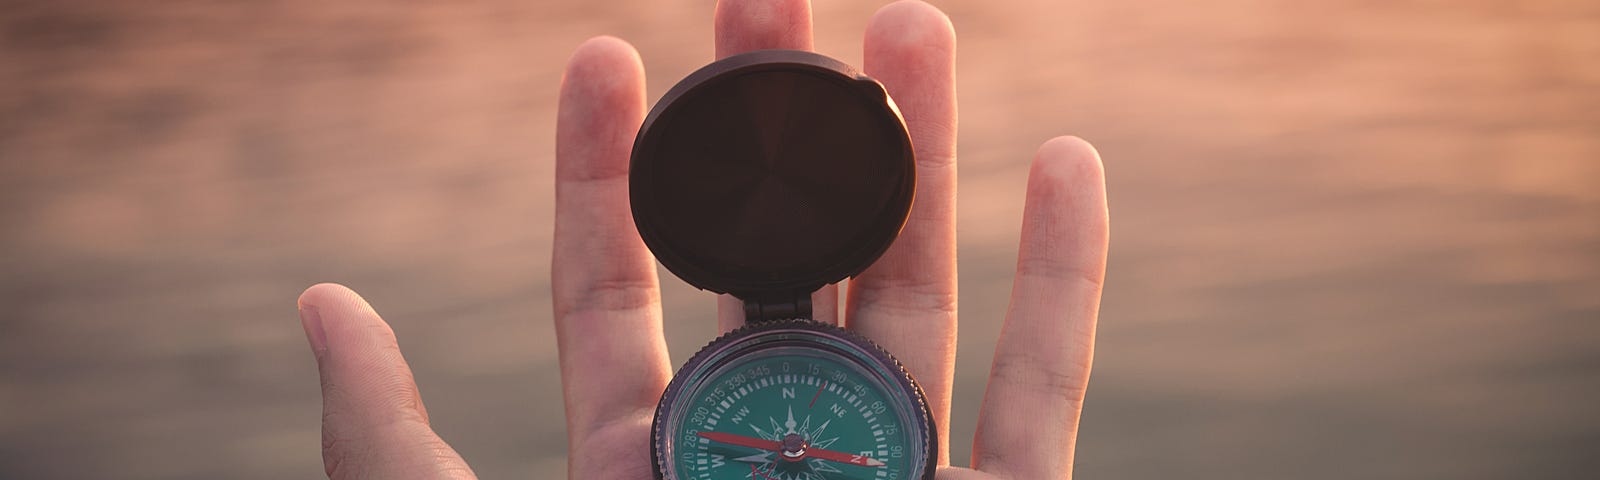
(1349,239)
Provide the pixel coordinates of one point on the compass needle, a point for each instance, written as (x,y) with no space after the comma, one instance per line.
(817,395)
(790,423)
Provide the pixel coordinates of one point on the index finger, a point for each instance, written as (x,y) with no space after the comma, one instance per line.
(607,305)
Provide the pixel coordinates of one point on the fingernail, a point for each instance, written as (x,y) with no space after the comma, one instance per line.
(311,320)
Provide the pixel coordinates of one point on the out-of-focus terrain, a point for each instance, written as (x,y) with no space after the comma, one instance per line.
(1349,239)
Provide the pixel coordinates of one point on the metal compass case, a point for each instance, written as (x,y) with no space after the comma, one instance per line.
(768,175)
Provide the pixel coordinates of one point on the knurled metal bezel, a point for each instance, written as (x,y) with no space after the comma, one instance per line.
(919,401)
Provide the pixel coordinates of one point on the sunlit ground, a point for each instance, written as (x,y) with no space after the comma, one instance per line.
(1349,239)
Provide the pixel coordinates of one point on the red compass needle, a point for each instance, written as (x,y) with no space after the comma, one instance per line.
(775,446)
(741,441)
(842,457)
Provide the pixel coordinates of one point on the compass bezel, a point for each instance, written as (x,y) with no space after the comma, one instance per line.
(750,338)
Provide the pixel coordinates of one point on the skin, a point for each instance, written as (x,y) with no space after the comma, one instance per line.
(605,281)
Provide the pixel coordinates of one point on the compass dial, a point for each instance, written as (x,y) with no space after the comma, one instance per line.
(793,401)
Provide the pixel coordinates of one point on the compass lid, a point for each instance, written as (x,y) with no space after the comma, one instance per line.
(771,173)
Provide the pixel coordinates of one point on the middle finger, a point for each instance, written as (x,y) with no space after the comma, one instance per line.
(748,25)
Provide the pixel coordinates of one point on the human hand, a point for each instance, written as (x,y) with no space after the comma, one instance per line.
(605,282)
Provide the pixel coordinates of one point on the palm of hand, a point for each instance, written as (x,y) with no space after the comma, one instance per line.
(374,423)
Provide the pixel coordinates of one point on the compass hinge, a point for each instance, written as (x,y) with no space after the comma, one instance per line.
(777,308)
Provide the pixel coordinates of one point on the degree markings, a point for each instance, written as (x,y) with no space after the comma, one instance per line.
(750,387)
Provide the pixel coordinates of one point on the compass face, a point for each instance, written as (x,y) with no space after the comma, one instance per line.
(799,403)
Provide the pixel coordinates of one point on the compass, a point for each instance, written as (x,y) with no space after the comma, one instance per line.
(768,175)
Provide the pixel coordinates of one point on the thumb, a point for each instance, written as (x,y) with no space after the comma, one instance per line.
(373,421)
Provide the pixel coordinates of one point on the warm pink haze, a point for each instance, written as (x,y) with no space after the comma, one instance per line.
(1348,239)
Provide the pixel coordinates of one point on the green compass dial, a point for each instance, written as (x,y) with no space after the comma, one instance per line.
(793,405)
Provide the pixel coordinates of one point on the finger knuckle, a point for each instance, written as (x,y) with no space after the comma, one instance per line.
(1060,271)
(339,451)
(1038,376)
(361,447)
(610,295)
(911,295)
(599,445)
